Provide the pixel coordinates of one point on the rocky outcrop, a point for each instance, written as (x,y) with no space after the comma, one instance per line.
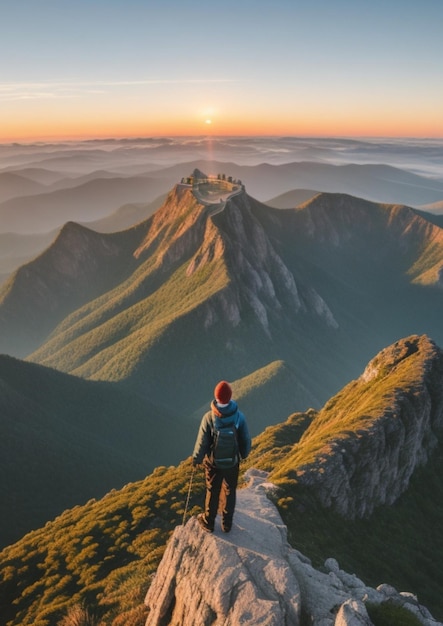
(370,438)
(260,280)
(187,229)
(252,576)
(176,229)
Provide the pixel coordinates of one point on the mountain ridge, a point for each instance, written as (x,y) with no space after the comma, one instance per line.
(375,182)
(80,263)
(97,197)
(186,243)
(12,184)
(379,428)
(335,272)
(93,199)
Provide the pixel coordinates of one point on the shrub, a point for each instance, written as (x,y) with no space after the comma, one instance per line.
(78,615)
(390,614)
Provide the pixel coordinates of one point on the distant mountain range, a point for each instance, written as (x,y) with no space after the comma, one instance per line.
(110,186)
(28,206)
(87,201)
(378,183)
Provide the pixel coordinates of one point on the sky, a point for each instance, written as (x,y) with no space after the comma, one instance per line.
(124,68)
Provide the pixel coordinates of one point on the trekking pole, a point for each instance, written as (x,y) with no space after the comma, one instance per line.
(189,495)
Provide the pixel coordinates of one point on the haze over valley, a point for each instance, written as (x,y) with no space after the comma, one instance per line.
(111,185)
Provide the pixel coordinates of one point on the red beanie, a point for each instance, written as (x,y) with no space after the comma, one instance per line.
(223,392)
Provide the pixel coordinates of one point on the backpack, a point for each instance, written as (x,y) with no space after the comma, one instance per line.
(225,451)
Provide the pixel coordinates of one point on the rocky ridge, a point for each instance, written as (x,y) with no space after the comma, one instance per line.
(261,276)
(368,440)
(320,288)
(259,280)
(252,576)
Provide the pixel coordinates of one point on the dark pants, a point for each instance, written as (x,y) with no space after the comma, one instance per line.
(221,485)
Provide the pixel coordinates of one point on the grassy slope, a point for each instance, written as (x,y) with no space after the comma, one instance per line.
(398,544)
(110,341)
(359,404)
(101,554)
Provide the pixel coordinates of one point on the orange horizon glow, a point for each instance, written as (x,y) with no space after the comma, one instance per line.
(64,121)
(73,120)
(82,130)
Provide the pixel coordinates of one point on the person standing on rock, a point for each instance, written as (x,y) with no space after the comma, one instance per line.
(223,440)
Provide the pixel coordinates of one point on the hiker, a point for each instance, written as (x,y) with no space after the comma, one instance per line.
(222,441)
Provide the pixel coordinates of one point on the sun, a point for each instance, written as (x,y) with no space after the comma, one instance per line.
(208,121)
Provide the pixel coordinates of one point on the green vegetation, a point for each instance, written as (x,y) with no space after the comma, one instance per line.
(109,337)
(360,404)
(388,614)
(98,557)
(276,442)
(425,270)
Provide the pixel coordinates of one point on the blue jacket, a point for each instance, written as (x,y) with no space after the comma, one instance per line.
(205,437)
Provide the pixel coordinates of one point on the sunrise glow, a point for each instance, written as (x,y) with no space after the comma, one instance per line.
(131,71)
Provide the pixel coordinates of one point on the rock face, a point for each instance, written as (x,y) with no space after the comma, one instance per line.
(261,279)
(253,577)
(371,437)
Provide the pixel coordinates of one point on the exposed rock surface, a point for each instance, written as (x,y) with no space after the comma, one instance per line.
(253,577)
(371,437)
(260,279)
(187,228)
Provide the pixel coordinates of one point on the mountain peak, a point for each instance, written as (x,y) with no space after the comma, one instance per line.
(78,265)
(214,219)
(198,174)
(176,228)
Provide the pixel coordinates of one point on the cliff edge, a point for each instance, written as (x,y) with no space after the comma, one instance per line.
(363,447)
(252,576)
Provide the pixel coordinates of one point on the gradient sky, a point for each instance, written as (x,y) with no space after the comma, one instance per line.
(94,68)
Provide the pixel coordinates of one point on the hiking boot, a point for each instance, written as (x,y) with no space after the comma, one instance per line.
(226,528)
(204,524)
